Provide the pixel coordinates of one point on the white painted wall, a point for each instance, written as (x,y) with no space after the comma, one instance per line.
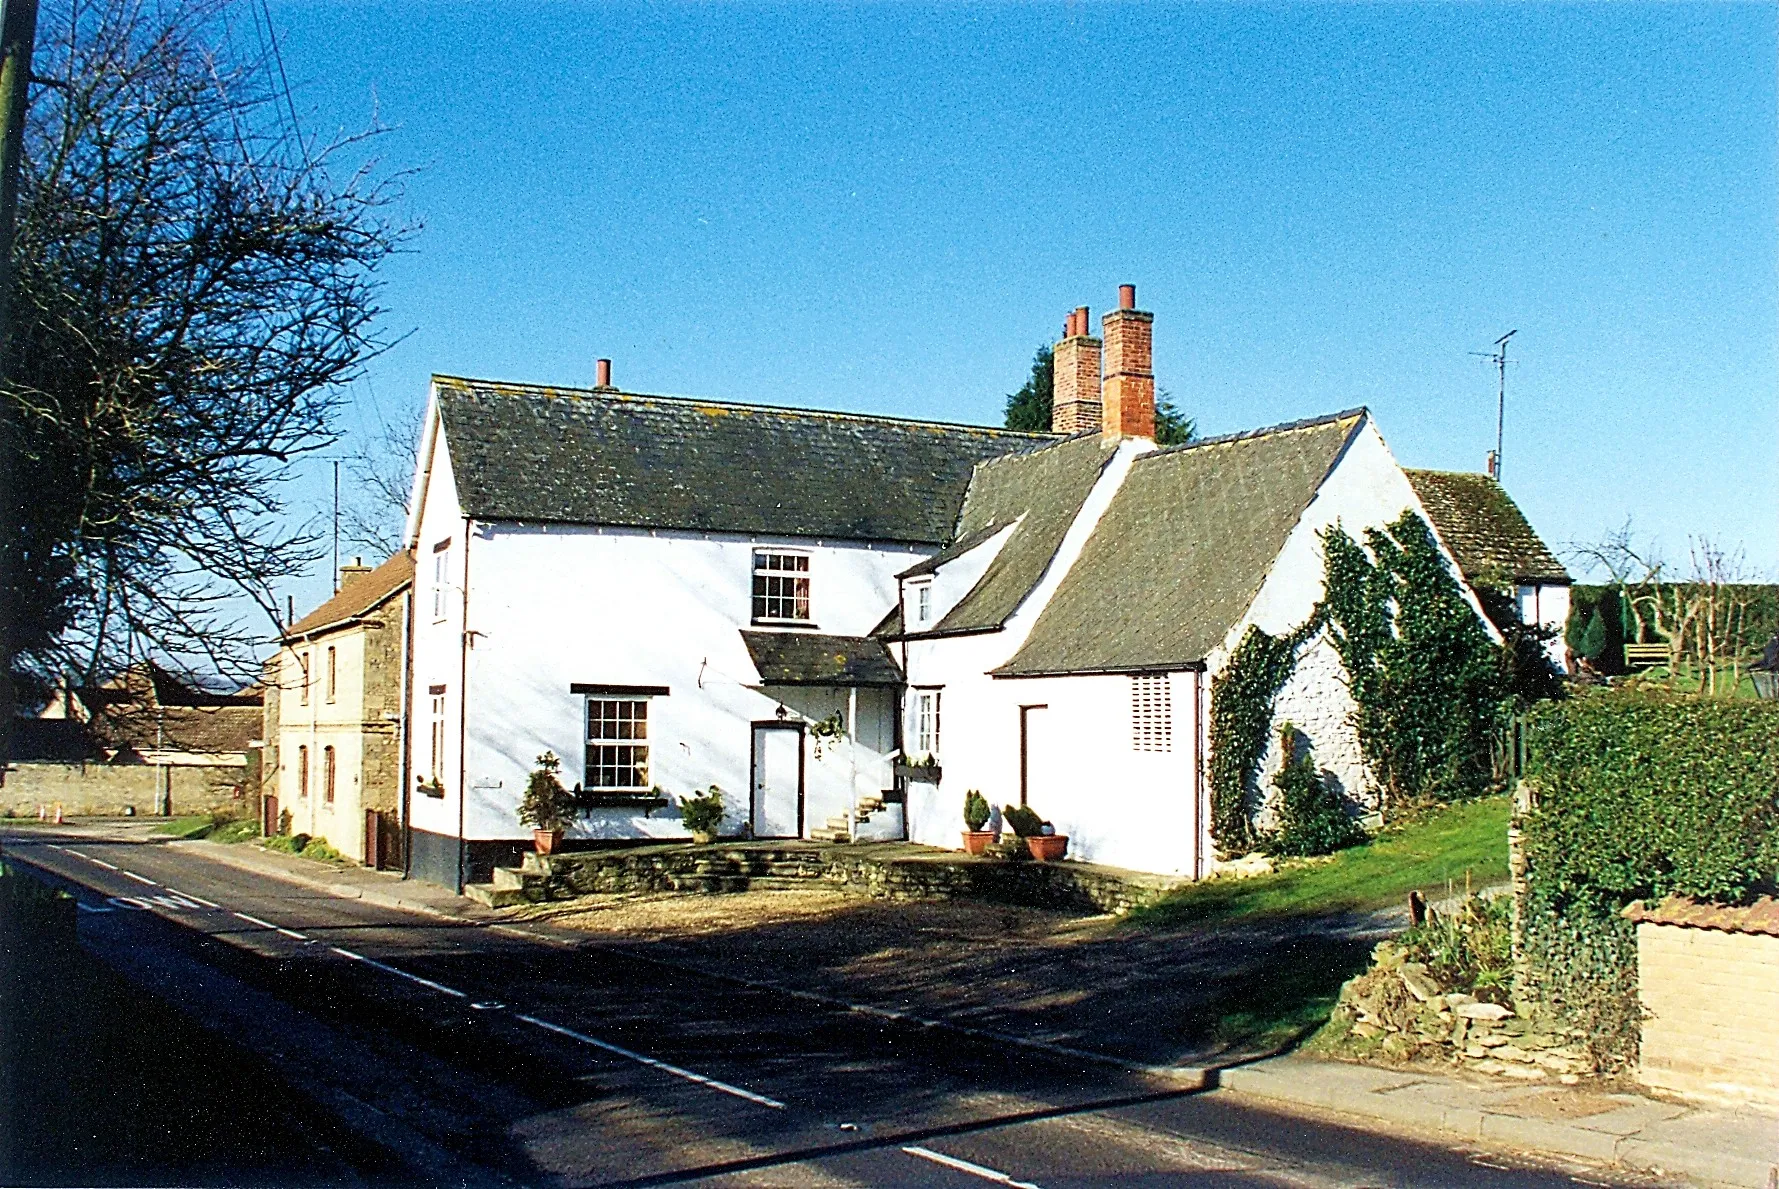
(1119,806)
(1547,605)
(437,642)
(1365,489)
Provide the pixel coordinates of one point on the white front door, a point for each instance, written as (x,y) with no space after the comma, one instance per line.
(778,781)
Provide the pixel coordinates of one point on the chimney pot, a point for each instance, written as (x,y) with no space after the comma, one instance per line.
(1075,403)
(604,371)
(1128,393)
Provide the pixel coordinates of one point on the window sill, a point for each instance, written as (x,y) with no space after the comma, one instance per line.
(918,772)
(646,802)
(435,791)
(807,624)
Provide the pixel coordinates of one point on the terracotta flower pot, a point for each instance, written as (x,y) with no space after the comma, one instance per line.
(1047,848)
(546,841)
(976,841)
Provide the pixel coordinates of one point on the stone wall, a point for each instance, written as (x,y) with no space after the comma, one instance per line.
(1711,1003)
(1069,886)
(111,790)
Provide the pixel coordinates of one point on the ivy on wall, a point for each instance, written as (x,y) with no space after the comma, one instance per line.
(1429,682)
(1241,723)
(1430,685)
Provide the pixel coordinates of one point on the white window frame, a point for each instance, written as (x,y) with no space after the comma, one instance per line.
(623,721)
(924,721)
(764,573)
(437,738)
(441,575)
(923,604)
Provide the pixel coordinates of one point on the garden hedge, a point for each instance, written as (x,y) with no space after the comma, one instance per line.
(1636,795)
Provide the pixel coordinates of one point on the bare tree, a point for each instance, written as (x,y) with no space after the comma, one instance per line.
(196,283)
(382,473)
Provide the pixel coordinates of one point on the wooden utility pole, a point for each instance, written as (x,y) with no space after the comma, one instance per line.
(18,36)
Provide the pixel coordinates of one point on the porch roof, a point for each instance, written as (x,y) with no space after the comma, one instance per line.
(804,658)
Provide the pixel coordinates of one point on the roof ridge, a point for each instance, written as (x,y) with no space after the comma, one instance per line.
(835,414)
(1263,431)
(1455,474)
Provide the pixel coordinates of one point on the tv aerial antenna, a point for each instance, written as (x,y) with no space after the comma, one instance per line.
(1499,358)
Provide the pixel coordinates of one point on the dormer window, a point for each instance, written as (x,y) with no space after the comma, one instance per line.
(923,605)
(781,587)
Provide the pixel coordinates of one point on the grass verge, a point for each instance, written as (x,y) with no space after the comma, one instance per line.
(196,826)
(1439,848)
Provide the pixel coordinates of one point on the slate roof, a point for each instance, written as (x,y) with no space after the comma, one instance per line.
(1762,916)
(1484,528)
(803,658)
(1181,553)
(583,456)
(1041,489)
(360,595)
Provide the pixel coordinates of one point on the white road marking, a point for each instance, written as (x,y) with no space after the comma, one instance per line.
(90,859)
(127,902)
(529,935)
(134,876)
(425,982)
(199,899)
(85,907)
(269,925)
(975,1170)
(654,1063)
(54,846)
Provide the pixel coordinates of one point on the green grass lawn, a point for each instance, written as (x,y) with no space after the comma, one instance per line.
(1437,850)
(196,826)
(1687,680)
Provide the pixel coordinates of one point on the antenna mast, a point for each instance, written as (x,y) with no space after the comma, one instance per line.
(1499,358)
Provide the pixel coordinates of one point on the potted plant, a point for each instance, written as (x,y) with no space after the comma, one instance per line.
(1041,840)
(702,815)
(547,807)
(976,815)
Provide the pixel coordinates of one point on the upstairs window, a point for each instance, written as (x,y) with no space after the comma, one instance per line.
(617,745)
(441,554)
(333,672)
(926,722)
(303,664)
(1151,713)
(923,604)
(781,587)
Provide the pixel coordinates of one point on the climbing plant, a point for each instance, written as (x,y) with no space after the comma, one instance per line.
(1241,722)
(1428,681)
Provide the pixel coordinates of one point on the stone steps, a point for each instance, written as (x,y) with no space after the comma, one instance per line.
(493,897)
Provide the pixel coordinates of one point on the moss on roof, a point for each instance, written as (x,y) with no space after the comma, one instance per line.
(583,456)
(1043,490)
(1484,528)
(1182,551)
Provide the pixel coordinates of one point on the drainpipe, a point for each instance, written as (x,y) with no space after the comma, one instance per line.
(1198,774)
(403,733)
(463,715)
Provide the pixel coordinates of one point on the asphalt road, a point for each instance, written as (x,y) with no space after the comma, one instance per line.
(487,1055)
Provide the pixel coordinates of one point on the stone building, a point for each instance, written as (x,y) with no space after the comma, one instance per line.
(334,715)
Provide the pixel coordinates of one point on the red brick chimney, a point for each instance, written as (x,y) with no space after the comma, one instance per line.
(602,371)
(1128,396)
(1075,398)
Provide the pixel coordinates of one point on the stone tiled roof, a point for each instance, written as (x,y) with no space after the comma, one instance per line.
(1043,490)
(804,658)
(360,595)
(1762,916)
(1485,529)
(585,456)
(1181,553)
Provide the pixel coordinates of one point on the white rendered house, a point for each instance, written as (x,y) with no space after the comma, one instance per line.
(668,594)
(671,594)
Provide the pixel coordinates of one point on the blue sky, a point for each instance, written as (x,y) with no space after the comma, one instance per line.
(886,208)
